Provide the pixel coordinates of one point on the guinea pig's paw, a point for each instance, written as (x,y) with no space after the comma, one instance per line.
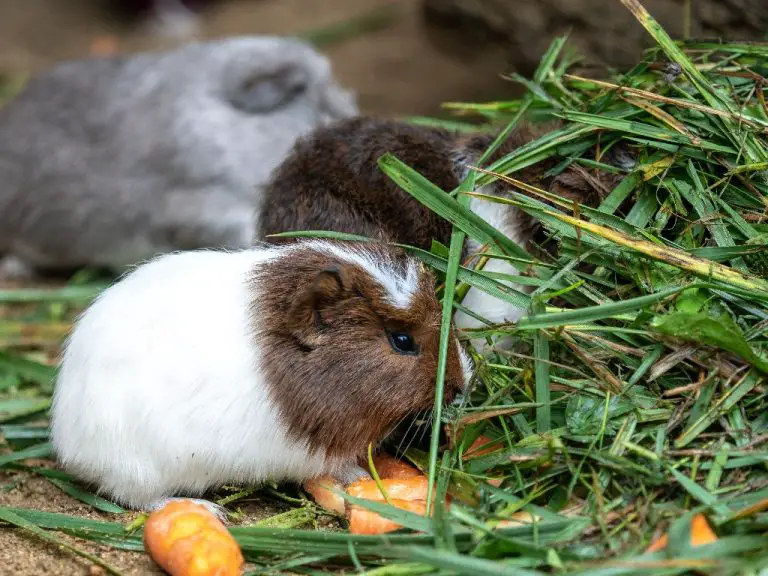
(14,268)
(219,511)
(351,473)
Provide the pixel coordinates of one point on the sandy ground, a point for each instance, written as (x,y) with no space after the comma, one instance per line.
(394,71)
(23,554)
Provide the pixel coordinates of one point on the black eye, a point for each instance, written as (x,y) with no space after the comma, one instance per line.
(403,343)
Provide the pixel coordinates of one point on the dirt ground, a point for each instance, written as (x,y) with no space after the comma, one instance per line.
(22,554)
(394,71)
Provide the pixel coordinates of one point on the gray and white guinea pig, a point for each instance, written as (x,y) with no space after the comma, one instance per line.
(331,181)
(109,161)
(205,368)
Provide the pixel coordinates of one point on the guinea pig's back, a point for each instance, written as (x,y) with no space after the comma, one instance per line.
(160,363)
(331,181)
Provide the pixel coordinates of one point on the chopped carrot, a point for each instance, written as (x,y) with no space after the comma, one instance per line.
(392,468)
(318,488)
(701,534)
(405,486)
(659,544)
(405,493)
(186,539)
(397,489)
(362,521)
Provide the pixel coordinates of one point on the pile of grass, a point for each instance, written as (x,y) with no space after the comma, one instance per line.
(637,396)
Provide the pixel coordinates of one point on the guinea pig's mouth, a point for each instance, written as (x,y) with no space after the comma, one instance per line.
(414,432)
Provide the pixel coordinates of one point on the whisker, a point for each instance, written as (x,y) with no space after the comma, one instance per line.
(405,435)
(393,428)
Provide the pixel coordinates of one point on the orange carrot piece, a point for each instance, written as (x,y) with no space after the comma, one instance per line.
(318,488)
(397,489)
(390,467)
(362,521)
(659,544)
(701,532)
(186,539)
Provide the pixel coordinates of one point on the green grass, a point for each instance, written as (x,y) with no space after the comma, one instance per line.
(637,395)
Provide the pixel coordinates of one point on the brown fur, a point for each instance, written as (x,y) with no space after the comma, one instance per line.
(327,359)
(331,180)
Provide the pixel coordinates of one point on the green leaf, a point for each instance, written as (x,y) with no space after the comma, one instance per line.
(78,493)
(72,294)
(442,204)
(44,450)
(28,370)
(592,313)
(9,515)
(719,331)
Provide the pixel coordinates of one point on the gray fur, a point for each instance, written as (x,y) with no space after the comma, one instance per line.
(110,161)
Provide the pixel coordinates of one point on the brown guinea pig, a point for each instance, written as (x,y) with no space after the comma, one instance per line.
(331,181)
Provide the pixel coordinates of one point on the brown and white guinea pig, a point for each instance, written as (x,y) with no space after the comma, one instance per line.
(331,181)
(205,368)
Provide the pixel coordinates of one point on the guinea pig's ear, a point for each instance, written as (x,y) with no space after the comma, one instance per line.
(265,91)
(305,317)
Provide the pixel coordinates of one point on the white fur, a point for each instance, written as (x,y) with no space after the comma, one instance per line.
(160,391)
(466,365)
(400,285)
(484,305)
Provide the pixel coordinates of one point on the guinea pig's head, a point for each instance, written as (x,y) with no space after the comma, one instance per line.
(349,335)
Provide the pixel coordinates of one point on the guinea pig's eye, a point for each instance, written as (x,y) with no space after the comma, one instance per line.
(403,343)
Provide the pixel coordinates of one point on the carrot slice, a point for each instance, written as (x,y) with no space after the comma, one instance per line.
(186,539)
(701,532)
(362,521)
(397,489)
(390,467)
(659,544)
(318,489)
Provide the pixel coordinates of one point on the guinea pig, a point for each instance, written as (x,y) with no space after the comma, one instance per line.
(109,161)
(331,181)
(212,367)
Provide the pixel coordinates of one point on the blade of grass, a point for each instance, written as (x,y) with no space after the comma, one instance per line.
(7,515)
